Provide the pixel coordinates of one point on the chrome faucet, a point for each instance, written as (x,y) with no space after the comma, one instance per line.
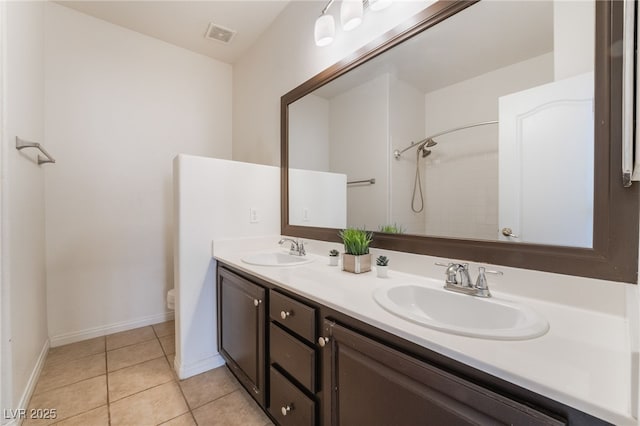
(297,246)
(455,269)
(464,285)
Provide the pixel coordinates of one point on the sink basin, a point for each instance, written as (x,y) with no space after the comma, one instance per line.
(275,259)
(462,314)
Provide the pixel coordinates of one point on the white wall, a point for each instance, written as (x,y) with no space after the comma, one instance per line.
(361,151)
(212,201)
(573,37)
(285,57)
(24,328)
(468,160)
(309,134)
(406,124)
(119,107)
(317,199)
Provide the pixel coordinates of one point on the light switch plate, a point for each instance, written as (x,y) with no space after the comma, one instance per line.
(253,215)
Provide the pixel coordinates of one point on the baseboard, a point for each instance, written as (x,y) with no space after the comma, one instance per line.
(206,364)
(31,386)
(90,333)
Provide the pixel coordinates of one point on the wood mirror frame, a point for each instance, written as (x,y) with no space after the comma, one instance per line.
(614,255)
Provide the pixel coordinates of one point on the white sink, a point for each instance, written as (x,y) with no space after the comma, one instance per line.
(275,259)
(462,314)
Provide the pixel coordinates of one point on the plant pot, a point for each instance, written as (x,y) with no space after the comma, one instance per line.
(333,260)
(382,271)
(356,264)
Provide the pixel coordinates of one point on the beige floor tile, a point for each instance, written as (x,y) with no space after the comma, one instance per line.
(76,350)
(165,328)
(139,377)
(151,407)
(237,408)
(168,344)
(71,400)
(208,386)
(170,359)
(130,337)
(55,375)
(97,417)
(134,354)
(183,420)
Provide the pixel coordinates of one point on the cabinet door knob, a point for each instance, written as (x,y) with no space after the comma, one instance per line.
(284,314)
(508,232)
(322,341)
(256,302)
(285,410)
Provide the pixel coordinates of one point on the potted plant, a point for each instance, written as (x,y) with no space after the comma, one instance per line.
(382,266)
(391,229)
(356,257)
(333,257)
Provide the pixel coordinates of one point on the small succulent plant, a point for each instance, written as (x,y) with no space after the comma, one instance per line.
(382,261)
(334,253)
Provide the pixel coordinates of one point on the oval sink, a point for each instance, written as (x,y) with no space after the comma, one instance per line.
(275,259)
(461,314)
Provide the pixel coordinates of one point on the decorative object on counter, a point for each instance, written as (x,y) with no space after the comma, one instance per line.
(391,229)
(333,257)
(382,266)
(356,257)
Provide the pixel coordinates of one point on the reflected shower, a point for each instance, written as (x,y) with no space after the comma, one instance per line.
(427,144)
(422,151)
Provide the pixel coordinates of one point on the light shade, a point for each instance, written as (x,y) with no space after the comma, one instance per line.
(351,14)
(324,30)
(379,4)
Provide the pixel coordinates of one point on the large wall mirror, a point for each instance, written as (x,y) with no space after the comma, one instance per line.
(486,131)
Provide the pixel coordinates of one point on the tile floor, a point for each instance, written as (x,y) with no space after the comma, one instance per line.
(127,379)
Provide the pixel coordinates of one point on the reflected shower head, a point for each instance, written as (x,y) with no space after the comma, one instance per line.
(427,144)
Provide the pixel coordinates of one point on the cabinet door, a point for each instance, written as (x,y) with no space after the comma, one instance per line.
(241,316)
(373,384)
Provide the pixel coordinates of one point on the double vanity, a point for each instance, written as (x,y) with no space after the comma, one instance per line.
(315,345)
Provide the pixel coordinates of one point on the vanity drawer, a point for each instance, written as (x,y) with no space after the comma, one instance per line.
(293,315)
(288,405)
(293,356)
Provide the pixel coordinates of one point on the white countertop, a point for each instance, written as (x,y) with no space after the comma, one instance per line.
(583,361)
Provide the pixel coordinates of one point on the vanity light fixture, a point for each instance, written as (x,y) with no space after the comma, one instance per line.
(351,15)
(325,30)
(379,4)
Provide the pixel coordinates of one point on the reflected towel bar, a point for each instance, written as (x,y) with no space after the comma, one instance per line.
(22,144)
(371,181)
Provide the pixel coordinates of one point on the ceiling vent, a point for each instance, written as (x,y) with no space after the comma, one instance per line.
(218,33)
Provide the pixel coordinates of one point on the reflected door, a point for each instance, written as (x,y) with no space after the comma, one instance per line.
(546,160)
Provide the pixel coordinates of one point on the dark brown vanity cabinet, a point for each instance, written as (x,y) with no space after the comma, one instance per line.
(292,359)
(373,384)
(307,364)
(241,330)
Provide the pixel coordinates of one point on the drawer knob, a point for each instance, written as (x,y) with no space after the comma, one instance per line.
(285,410)
(284,314)
(256,302)
(322,341)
